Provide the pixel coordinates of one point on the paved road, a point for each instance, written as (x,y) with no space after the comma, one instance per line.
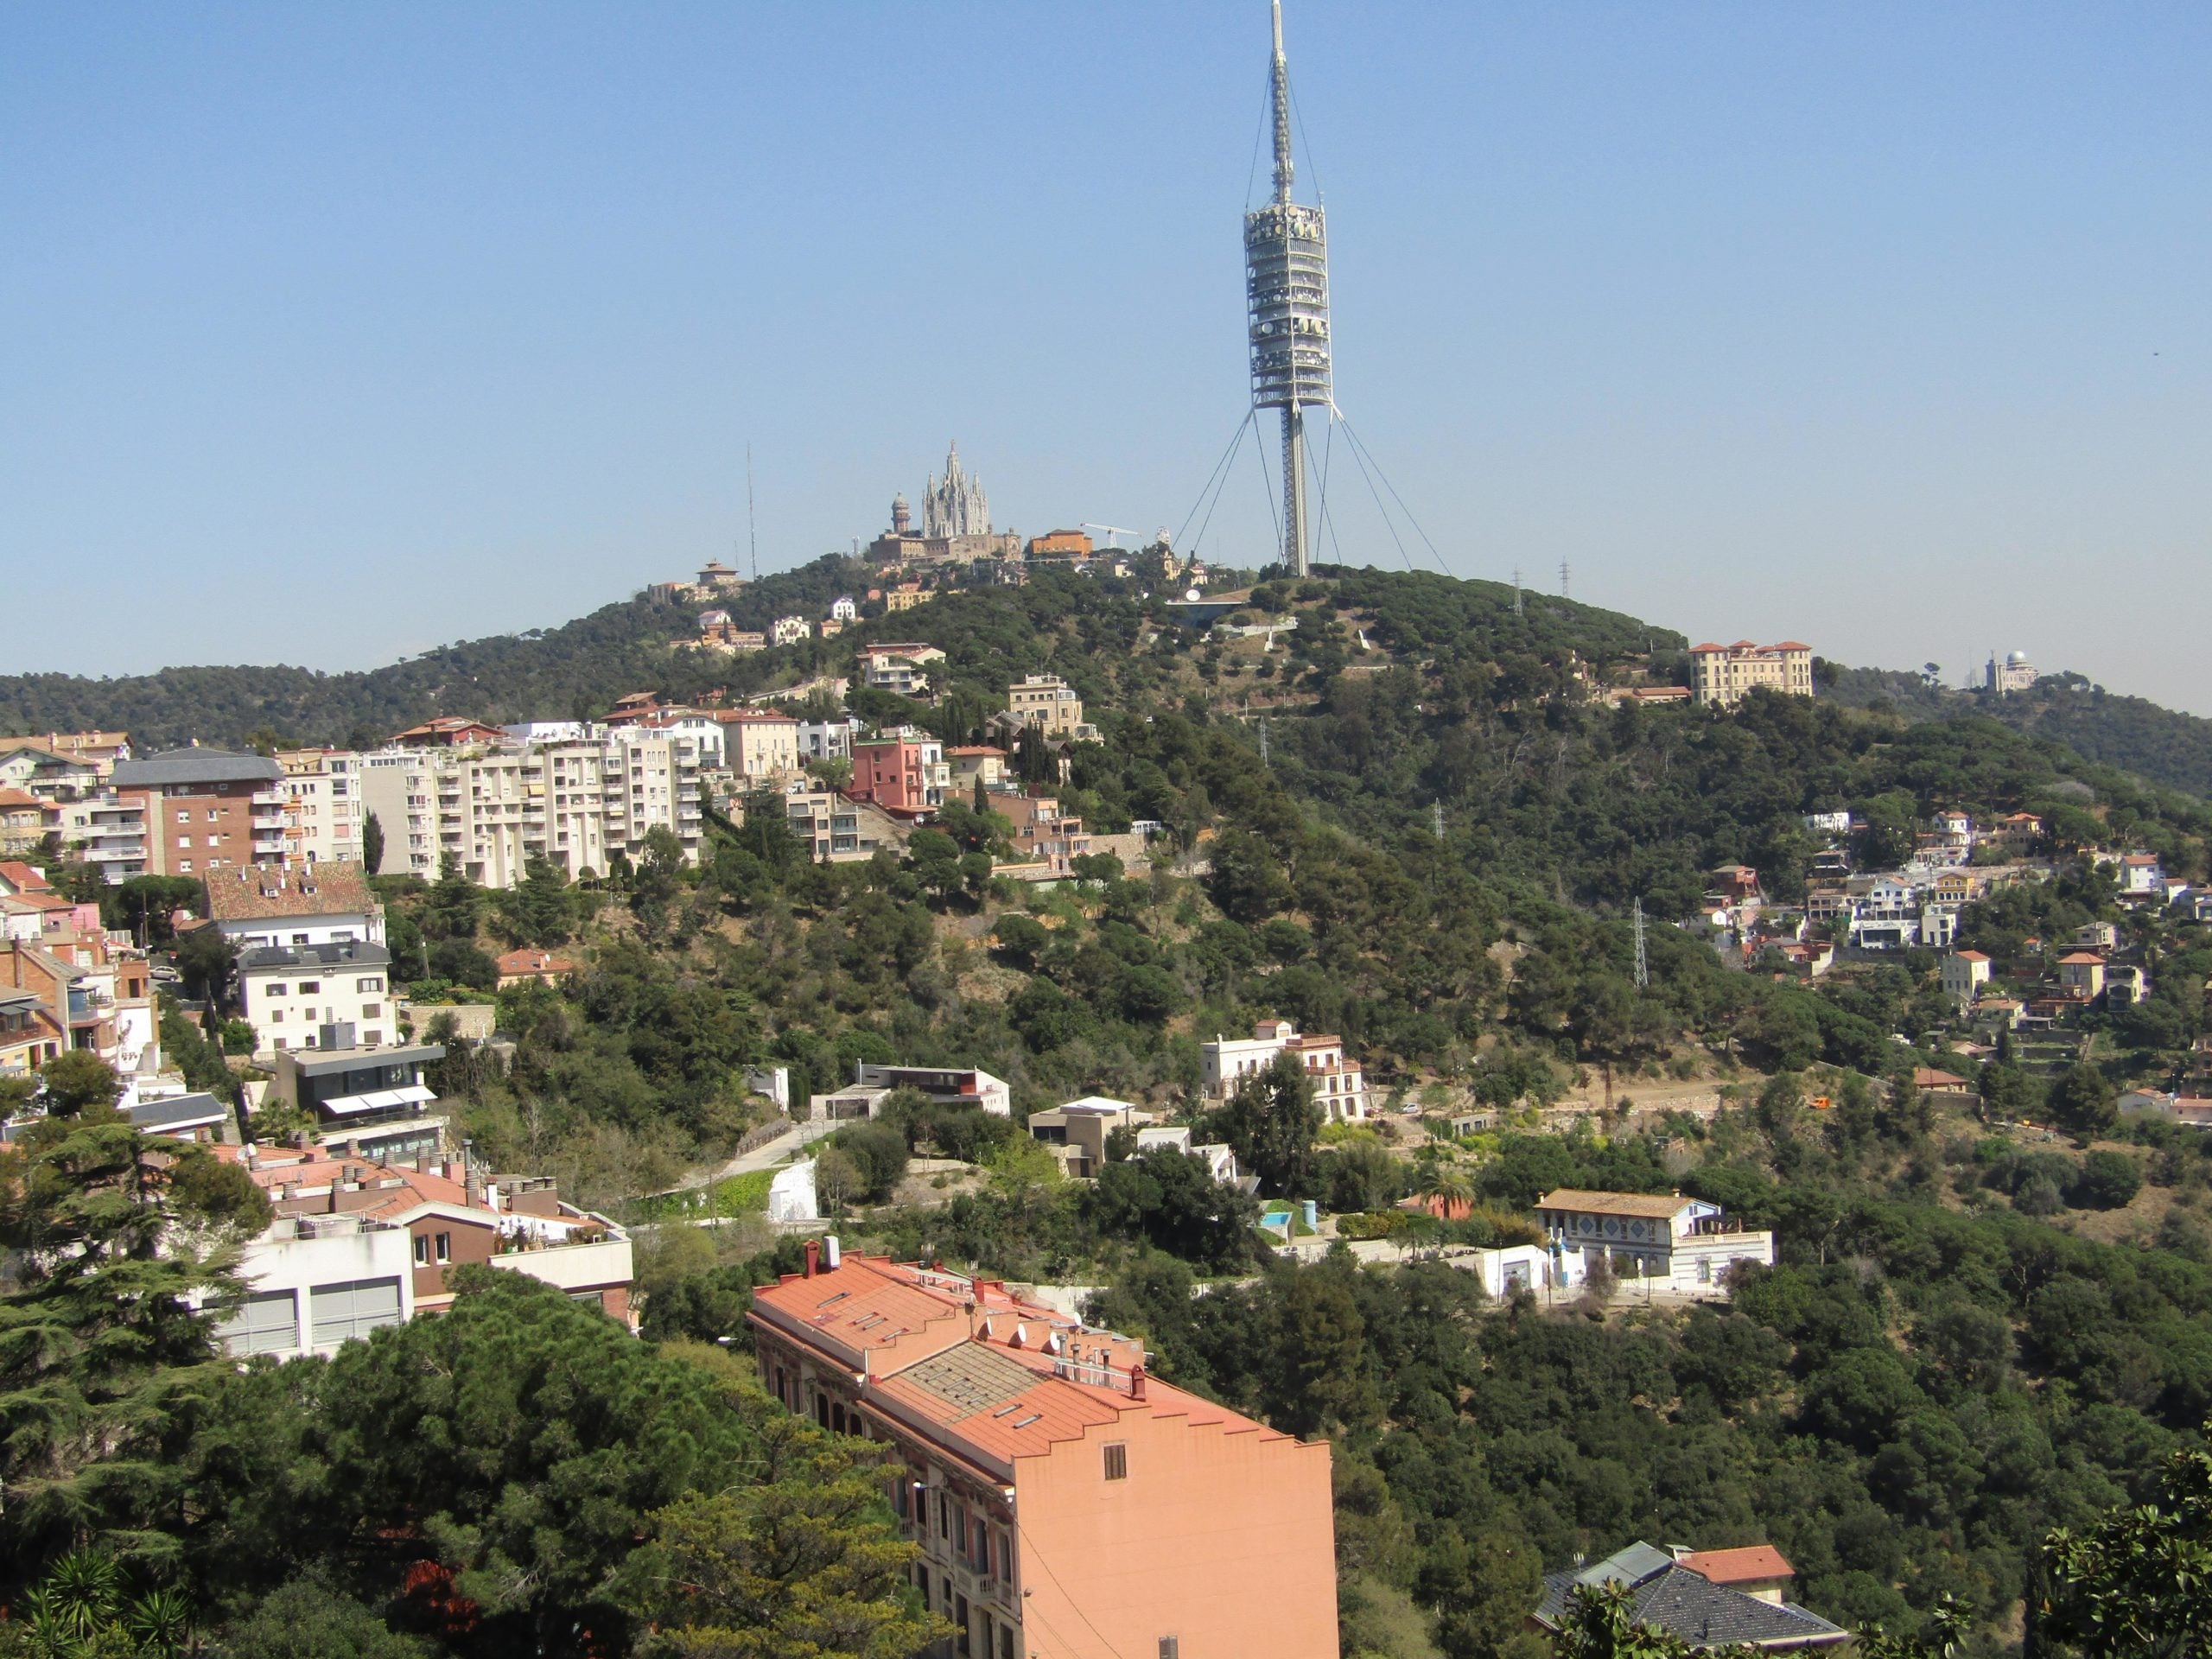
(767,1155)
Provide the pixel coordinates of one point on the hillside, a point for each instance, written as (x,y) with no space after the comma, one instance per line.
(2134,733)
(1408,821)
(572,671)
(581,667)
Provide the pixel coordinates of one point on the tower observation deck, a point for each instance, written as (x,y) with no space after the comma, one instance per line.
(1287,302)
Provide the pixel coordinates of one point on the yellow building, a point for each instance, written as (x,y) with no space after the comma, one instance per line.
(1724,673)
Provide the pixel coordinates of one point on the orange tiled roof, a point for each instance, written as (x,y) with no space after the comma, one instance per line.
(1658,1205)
(534,961)
(1744,1566)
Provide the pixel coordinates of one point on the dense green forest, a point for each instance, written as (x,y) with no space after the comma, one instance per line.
(2133,734)
(1977,1332)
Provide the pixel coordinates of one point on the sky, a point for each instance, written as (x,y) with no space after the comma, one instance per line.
(330,333)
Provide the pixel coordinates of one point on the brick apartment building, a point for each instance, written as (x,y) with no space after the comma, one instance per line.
(906,773)
(205,809)
(1066,1505)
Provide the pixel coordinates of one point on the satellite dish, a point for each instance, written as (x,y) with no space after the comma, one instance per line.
(1194,594)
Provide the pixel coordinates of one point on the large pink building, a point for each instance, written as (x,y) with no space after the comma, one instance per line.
(1066,1505)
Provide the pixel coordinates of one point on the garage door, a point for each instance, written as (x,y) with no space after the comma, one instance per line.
(353,1308)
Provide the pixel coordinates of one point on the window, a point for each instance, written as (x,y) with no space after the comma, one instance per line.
(184,867)
(372,1010)
(1171,1647)
(277,1018)
(374,982)
(1117,1461)
(184,815)
(184,840)
(943,1513)
(310,987)
(213,815)
(299,938)
(352,1308)
(444,1247)
(266,1323)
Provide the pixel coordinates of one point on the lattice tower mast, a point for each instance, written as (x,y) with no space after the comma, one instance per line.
(1286,297)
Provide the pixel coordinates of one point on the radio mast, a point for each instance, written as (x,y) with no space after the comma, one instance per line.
(1286,296)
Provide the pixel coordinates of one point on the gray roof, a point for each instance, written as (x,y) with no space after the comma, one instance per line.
(1686,1604)
(196,766)
(177,1112)
(321,1062)
(342,953)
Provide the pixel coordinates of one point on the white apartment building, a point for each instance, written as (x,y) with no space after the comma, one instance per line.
(577,803)
(790,630)
(106,830)
(1340,1087)
(1723,674)
(322,805)
(294,996)
(828,739)
(898,665)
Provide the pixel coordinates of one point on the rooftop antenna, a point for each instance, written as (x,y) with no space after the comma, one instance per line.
(1286,281)
(752,536)
(1264,737)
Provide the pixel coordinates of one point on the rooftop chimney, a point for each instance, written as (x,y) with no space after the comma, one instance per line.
(813,1256)
(1136,1382)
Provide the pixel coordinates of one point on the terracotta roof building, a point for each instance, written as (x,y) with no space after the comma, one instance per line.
(528,967)
(1065,1503)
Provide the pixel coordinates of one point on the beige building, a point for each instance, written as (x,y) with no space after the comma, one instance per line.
(575,803)
(322,806)
(757,747)
(1723,674)
(1047,702)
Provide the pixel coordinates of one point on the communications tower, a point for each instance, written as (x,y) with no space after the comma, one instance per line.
(1287,299)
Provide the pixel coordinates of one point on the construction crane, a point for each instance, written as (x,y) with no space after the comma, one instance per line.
(1115,529)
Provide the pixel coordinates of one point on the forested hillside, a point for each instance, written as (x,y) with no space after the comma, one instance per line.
(572,671)
(2134,733)
(578,669)
(1414,821)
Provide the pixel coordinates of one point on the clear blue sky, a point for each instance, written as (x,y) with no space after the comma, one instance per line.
(334,332)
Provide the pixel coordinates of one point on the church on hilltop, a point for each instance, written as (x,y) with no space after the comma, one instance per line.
(956,523)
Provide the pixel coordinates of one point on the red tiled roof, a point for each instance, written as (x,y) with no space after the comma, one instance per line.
(22,877)
(1971,956)
(2081,957)
(1747,1564)
(534,961)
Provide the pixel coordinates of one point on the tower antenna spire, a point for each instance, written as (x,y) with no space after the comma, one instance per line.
(1286,293)
(1280,83)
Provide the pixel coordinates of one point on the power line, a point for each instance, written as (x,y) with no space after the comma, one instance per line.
(1378,494)
(1219,473)
(1360,447)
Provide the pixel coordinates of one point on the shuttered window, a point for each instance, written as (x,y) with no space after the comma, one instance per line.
(353,1308)
(267,1324)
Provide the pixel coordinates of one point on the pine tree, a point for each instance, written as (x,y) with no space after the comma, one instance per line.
(104,1357)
